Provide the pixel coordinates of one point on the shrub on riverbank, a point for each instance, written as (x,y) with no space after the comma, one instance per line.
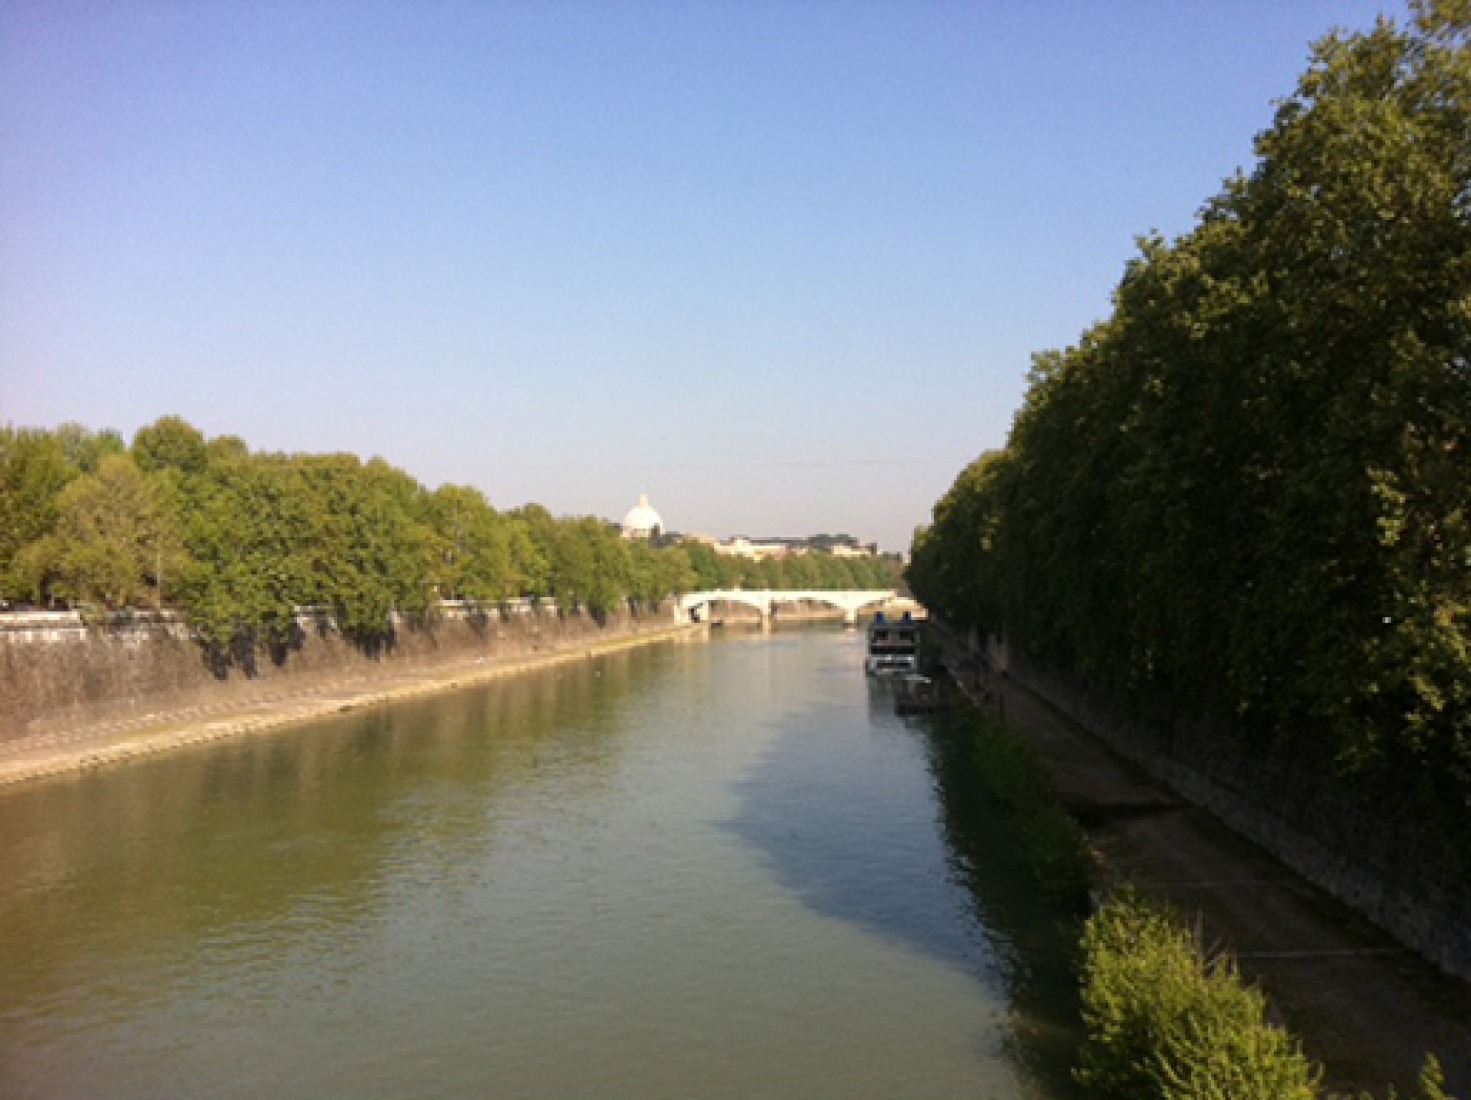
(1052,841)
(1166,1020)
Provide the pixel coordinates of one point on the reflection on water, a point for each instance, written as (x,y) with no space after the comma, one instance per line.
(709,870)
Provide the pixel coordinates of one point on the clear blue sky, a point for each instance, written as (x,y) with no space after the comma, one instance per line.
(780,264)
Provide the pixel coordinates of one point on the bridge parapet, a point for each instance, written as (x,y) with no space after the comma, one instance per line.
(695,605)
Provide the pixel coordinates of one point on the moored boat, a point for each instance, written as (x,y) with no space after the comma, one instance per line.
(893,647)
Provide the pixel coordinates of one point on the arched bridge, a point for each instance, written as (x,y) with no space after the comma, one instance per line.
(696,605)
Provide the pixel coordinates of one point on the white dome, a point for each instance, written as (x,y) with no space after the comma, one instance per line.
(642,521)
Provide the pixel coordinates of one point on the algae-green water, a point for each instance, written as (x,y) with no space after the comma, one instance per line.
(720,869)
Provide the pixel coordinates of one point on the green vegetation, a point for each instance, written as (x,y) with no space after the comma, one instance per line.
(240,540)
(1163,1018)
(1248,490)
(1006,766)
(1166,1021)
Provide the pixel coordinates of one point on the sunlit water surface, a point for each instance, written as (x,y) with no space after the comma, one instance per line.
(689,870)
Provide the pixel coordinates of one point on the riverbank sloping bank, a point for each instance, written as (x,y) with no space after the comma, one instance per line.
(1366,1008)
(76,695)
(1388,865)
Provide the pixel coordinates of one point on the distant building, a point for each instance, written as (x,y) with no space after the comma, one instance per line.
(758,549)
(642,521)
(742,547)
(841,546)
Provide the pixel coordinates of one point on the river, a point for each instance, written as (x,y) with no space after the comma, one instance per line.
(719,869)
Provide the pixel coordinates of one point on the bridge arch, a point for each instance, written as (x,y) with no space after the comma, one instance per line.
(695,605)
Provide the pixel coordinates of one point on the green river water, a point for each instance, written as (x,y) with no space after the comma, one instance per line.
(719,869)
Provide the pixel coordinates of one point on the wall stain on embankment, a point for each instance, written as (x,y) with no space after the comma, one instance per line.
(79,698)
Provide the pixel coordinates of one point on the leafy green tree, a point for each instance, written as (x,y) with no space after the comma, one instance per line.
(115,543)
(677,572)
(84,448)
(1248,489)
(590,564)
(708,566)
(225,448)
(532,534)
(34,469)
(646,583)
(371,557)
(170,442)
(801,572)
(952,567)
(252,534)
(473,552)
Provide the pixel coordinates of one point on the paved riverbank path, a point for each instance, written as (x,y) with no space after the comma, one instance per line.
(1359,1000)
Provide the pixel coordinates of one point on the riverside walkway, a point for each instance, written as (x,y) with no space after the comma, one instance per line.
(1362,1004)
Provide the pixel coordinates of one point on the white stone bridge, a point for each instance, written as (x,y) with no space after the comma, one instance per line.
(696,605)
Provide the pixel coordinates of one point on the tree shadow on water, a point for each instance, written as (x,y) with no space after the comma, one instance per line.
(887,829)
(855,844)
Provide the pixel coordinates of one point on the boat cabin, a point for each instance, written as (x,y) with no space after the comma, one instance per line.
(893,646)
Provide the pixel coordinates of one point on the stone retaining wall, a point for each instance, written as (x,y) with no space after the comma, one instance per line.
(1402,875)
(59,672)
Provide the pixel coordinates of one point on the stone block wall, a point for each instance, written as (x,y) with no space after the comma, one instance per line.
(59,673)
(1377,858)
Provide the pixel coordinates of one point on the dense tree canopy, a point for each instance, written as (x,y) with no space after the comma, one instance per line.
(115,540)
(241,540)
(1249,489)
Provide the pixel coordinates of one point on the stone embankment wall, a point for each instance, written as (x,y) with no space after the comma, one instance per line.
(59,673)
(1377,858)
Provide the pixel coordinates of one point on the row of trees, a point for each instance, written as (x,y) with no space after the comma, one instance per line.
(240,539)
(1249,489)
